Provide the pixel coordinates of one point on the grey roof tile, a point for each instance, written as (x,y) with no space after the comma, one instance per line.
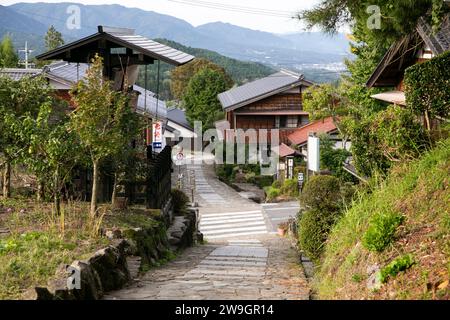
(17,74)
(259,89)
(123,37)
(178,116)
(152,105)
(439,42)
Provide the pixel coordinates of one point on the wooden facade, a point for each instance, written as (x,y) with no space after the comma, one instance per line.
(281,111)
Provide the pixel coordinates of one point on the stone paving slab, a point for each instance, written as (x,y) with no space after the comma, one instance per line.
(202,275)
(252,265)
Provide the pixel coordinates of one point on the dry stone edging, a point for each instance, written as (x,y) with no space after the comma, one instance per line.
(108,269)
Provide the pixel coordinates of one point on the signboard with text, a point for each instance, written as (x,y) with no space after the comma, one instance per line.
(157,135)
(314,153)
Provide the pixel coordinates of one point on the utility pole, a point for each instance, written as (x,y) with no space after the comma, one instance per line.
(27,52)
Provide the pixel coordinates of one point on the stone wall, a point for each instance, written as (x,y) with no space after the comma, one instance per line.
(108,270)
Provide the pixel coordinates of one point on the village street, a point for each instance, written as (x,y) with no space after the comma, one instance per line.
(243,257)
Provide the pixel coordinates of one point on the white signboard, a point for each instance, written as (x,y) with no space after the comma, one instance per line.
(157,135)
(314,154)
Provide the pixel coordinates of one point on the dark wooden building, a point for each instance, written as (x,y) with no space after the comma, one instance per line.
(421,45)
(274,102)
(123,53)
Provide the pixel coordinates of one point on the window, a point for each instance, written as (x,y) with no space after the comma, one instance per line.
(277,121)
(292,122)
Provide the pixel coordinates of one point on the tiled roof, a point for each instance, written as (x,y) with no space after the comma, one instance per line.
(402,54)
(150,105)
(283,150)
(17,74)
(69,72)
(300,136)
(260,89)
(178,116)
(439,42)
(120,37)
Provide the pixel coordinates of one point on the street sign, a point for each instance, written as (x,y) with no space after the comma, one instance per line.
(301,177)
(314,153)
(180,156)
(290,168)
(157,135)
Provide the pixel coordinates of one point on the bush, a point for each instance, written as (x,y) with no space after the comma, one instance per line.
(426,86)
(323,193)
(387,137)
(313,229)
(395,267)
(381,230)
(290,188)
(263,181)
(179,200)
(272,193)
(277,184)
(225,171)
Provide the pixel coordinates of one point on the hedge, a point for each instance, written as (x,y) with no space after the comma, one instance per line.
(427,86)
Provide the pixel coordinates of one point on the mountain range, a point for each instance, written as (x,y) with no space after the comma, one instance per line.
(29,21)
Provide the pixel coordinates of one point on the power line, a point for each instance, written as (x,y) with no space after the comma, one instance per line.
(234,8)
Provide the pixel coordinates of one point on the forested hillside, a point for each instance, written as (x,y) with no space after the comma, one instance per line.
(240,71)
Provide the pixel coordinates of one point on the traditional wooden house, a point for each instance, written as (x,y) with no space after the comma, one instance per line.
(421,45)
(299,137)
(123,54)
(274,102)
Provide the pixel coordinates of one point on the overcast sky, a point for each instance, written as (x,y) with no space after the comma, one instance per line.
(199,14)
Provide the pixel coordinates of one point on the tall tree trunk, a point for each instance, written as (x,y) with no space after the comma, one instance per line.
(56,194)
(1,180)
(7,181)
(114,193)
(427,120)
(40,191)
(95,185)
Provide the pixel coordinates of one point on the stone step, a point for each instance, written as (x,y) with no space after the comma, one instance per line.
(134,264)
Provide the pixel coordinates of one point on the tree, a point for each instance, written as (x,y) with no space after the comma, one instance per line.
(52,149)
(8,55)
(17,99)
(390,136)
(427,88)
(99,120)
(53,39)
(333,159)
(201,100)
(397,17)
(182,75)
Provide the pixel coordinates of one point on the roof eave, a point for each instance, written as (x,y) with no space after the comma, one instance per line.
(73,45)
(260,97)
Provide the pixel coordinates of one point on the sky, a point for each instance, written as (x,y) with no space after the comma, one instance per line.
(272,16)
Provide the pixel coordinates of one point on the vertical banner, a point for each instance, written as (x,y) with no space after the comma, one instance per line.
(313,153)
(157,135)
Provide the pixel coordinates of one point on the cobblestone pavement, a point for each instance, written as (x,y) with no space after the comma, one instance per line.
(242,260)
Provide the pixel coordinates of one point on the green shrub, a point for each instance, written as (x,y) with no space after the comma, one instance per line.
(426,86)
(395,267)
(290,188)
(272,193)
(179,200)
(385,138)
(299,169)
(250,177)
(322,192)
(381,230)
(224,171)
(263,181)
(277,184)
(313,229)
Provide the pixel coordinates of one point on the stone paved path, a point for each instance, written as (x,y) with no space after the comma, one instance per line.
(242,260)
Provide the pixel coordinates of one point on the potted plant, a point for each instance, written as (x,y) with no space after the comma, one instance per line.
(283,228)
